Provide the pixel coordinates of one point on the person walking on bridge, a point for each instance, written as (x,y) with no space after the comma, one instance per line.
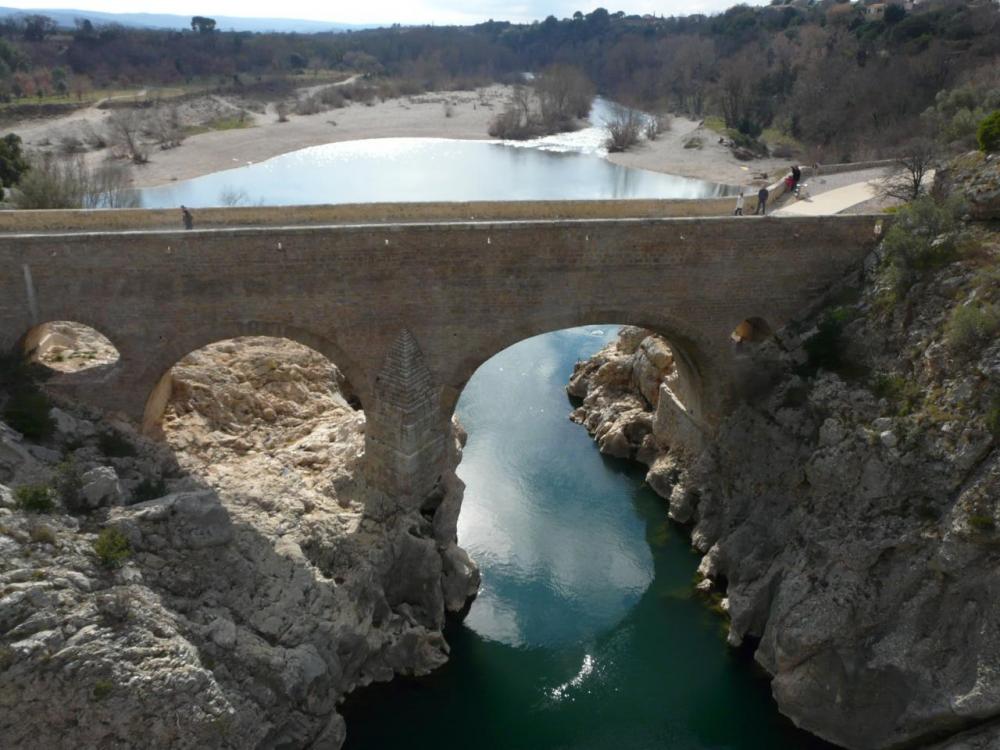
(739,205)
(762,196)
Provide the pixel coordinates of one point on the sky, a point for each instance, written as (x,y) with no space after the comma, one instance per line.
(389,11)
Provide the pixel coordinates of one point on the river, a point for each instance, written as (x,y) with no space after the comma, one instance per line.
(388,170)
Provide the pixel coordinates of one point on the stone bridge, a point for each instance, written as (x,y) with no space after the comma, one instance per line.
(409,311)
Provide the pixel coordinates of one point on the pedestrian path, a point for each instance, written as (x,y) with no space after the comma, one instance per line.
(835,201)
(830,202)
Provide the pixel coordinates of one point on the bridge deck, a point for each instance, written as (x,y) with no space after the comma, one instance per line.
(18,222)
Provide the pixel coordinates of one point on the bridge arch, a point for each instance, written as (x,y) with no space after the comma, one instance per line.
(69,346)
(156,384)
(700,387)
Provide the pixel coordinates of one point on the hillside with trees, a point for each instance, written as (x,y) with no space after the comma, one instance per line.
(831,76)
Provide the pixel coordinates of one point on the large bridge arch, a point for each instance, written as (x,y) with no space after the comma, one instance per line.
(702,391)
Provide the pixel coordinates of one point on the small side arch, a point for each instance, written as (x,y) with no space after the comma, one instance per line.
(67,346)
(751,331)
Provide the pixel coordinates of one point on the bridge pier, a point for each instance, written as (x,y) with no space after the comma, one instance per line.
(406,434)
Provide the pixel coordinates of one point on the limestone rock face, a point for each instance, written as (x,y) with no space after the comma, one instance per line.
(851,520)
(621,389)
(976,178)
(263,579)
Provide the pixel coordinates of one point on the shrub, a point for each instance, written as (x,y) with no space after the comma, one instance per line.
(112,548)
(149,489)
(988,133)
(623,129)
(69,485)
(982,522)
(103,689)
(115,606)
(904,394)
(993,418)
(825,348)
(114,445)
(34,498)
(971,327)
(925,235)
(42,534)
(28,411)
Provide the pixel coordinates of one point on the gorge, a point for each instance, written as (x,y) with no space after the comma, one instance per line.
(392,568)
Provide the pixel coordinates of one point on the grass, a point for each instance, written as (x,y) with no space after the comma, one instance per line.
(233,122)
(776,137)
(716,123)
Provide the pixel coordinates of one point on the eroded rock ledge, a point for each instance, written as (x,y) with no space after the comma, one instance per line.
(265,579)
(849,513)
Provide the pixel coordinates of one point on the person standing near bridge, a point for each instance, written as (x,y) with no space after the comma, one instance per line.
(187,218)
(762,196)
(739,205)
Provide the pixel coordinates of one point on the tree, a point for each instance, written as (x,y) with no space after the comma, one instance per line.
(70,183)
(564,93)
(202,25)
(124,129)
(894,14)
(13,162)
(37,27)
(906,180)
(623,129)
(988,133)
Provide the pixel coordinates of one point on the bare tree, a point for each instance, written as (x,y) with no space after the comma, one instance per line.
(655,125)
(125,129)
(905,179)
(564,94)
(70,183)
(164,125)
(109,185)
(623,129)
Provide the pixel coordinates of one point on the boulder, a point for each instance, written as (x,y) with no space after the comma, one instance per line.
(100,487)
(195,520)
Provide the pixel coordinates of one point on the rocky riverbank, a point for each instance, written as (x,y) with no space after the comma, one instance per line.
(848,508)
(226,587)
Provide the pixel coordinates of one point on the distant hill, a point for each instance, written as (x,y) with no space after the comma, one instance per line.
(67,17)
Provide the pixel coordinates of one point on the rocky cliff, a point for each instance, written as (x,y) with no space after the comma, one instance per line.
(848,507)
(224,587)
